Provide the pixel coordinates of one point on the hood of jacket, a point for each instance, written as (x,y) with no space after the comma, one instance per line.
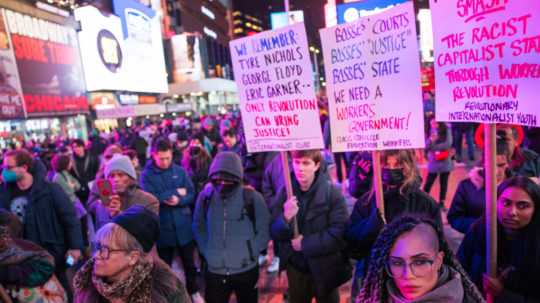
(476,178)
(227,162)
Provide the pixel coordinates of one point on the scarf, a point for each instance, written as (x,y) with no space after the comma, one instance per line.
(449,289)
(137,288)
(11,253)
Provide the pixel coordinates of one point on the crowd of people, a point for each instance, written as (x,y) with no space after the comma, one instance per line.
(103,220)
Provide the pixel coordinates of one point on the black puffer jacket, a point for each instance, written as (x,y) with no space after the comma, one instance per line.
(321,220)
(365,222)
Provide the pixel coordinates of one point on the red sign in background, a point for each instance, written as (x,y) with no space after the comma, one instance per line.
(49,66)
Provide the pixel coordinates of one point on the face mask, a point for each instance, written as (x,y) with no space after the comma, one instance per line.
(225,189)
(392,177)
(9,176)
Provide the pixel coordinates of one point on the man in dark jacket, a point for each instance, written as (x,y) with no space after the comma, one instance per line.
(172,186)
(231,227)
(314,259)
(85,167)
(48,215)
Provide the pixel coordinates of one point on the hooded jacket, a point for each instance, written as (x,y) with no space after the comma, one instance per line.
(223,231)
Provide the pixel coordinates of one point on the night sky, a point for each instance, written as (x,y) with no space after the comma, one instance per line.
(313,13)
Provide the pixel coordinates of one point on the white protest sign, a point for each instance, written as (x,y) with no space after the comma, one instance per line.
(275,85)
(487,61)
(373,82)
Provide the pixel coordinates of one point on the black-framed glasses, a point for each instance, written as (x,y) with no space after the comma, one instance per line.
(104,252)
(421,267)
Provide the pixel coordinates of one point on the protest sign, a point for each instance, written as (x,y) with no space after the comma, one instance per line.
(487,62)
(373,82)
(275,84)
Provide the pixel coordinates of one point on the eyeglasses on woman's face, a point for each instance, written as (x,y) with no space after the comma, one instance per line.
(419,267)
(103,252)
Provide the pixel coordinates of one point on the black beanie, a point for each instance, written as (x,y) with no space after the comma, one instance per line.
(141,223)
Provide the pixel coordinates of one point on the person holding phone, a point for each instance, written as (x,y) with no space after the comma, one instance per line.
(172,186)
(119,191)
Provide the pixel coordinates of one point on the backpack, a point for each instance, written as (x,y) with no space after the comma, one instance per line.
(249,207)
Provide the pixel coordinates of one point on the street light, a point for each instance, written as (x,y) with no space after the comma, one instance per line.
(315,52)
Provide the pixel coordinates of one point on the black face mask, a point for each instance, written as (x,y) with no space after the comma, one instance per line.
(225,189)
(392,177)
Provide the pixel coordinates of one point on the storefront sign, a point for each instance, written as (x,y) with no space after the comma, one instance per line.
(149,109)
(48,64)
(102,100)
(116,113)
(178,107)
(487,61)
(124,50)
(143,99)
(11,102)
(275,84)
(373,82)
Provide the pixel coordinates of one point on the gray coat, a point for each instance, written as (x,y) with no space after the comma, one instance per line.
(225,235)
(439,166)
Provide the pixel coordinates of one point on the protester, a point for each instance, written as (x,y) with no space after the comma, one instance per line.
(26,270)
(360,174)
(231,228)
(459,129)
(123,269)
(47,215)
(132,155)
(411,262)
(62,164)
(94,196)
(84,169)
(402,194)
(469,200)
(518,245)
(230,142)
(523,161)
(173,188)
(439,160)
(314,259)
(125,193)
(196,161)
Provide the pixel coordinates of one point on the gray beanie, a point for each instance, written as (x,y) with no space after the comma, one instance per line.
(121,163)
(229,163)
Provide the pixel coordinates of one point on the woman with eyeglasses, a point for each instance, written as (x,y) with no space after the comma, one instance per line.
(412,263)
(518,245)
(402,195)
(123,270)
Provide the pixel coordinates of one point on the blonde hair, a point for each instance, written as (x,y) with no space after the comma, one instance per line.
(119,238)
(406,158)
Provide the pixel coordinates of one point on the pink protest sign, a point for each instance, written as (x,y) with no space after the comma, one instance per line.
(373,82)
(487,60)
(274,76)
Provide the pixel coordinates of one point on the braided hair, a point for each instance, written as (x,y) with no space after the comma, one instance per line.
(373,289)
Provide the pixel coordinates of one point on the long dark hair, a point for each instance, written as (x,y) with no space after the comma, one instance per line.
(373,289)
(442,132)
(530,235)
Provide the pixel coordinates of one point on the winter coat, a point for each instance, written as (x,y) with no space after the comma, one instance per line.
(321,220)
(530,167)
(50,219)
(432,147)
(225,234)
(366,222)
(521,284)
(133,196)
(469,202)
(175,221)
(84,170)
(254,166)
